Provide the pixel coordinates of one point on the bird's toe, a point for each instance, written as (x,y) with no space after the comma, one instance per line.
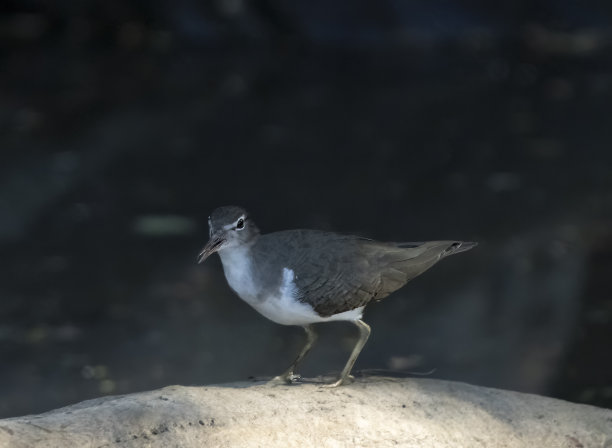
(343,380)
(286,378)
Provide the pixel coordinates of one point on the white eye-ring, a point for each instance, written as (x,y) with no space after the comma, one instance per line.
(240,224)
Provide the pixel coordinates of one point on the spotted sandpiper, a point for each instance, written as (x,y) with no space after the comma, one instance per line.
(303,277)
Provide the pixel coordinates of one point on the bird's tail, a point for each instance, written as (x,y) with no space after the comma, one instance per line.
(441,248)
(405,261)
(459,246)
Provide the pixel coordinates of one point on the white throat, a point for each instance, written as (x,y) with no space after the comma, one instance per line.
(237,267)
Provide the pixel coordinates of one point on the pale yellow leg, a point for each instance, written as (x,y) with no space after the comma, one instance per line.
(364,333)
(289,376)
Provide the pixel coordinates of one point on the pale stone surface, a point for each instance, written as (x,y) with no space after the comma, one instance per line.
(372,412)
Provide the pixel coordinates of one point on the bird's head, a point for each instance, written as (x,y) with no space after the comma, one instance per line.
(228,227)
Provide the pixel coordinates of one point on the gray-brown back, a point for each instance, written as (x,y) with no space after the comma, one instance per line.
(336,273)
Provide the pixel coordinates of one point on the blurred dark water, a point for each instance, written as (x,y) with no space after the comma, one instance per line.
(123,127)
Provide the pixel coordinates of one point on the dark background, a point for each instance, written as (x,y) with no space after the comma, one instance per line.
(124,123)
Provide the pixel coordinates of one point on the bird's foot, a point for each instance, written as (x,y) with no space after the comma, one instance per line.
(342,380)
(287,378)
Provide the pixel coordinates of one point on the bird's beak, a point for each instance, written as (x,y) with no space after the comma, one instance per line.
(214,244)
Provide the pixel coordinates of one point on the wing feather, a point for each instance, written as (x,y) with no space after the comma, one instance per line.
(336,273)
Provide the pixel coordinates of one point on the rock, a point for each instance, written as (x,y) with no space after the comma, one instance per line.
(370,412)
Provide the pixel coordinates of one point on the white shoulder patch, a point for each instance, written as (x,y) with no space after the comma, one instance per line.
(288,288)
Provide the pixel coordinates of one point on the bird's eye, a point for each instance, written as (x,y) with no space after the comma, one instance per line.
(240,224)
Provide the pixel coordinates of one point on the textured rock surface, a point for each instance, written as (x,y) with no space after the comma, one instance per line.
(370,412)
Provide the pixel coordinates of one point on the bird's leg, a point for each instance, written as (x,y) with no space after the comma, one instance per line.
(289,376)
(364,333)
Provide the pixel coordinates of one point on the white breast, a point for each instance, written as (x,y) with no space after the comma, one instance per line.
(283,307)
(238,272)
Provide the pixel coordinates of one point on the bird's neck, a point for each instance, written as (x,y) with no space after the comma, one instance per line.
(238,270)
(235,255)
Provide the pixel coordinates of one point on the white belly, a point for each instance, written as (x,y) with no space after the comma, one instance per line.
(281,307)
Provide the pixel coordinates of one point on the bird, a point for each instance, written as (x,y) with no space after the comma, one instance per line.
(304,277)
